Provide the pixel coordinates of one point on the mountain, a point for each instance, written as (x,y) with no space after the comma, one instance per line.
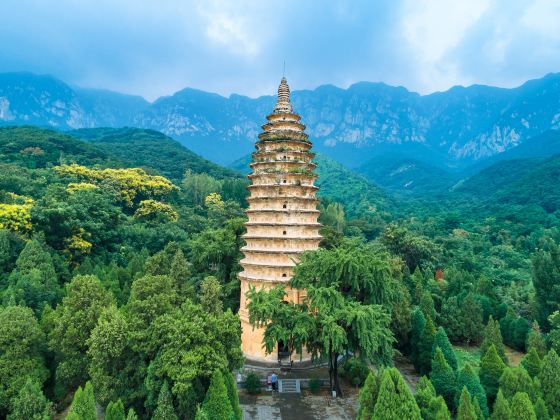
(456,128)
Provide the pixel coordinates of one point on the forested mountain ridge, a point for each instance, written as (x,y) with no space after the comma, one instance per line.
(456,127)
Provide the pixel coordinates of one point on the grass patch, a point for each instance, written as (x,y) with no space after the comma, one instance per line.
(467,354)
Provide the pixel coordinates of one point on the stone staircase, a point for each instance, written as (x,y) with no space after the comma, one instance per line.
(289,386)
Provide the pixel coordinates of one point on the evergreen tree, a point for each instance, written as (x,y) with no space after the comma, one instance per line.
(443,343)
(492,335)
(471,318)
(540,410)
(546,277)
(532,363)
(438,409)
(233,395)
(31,404)
(165,410)
(211,295)
(501,408)
(469,379)
(450,318)
(443,378)
(131,415)
(180,273)
(418,323)
(522,407)
(427,305)
(216,403)
(535,340)
(550,380)
(115,411)
(425,392)
(368,396)
(425,347)
(465,410)
(201,414)
(395,401)
(83,404)
(477,409)
(491,369)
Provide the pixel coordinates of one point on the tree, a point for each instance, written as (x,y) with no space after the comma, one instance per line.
(471,318)
(425,392)
(438,409)
(233,396)
(465,410)
(493,336)
(131,415)
(180,274)
(522,407)
(31,404)
(546,277)
(550,378)
(535,339)
(540,410)
(491,369)
(554,334)
(83,404)
(532,363)
(469,379)
(21,353)
(217,404)
(441,341)
(513,380)
(427,305)
(165,410)
(443,378)
(115,411)
(74,321)
(425,347)
(211,295)
(501,408)
(368,396)
(418,323)
(450,317)
(395,401)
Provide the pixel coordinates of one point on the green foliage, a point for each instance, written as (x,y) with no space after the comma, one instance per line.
(501,410)
(535,340)
(513,380)
(443,378)
(465,409)
(83,404)
(441,341)
(554,335)
(355,371)
(522,408)
(425,346)
(438,410)
(415,250)
(425,393)
(493,336)
(165,409)
(471,318)
(252,383)
(131,415)
(427,305)
(491,370)
(211,295)
(468,379)
(115,411)
(546,276)
(541,412)
(418,324)
(550,378)
(368,396)
(314,385)
(233,396)
(532,363)
(395,399)
(31,403)
(216,403)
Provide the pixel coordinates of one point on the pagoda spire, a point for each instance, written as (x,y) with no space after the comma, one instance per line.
(283,104)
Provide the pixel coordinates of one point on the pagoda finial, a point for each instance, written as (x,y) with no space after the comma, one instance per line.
(283,105)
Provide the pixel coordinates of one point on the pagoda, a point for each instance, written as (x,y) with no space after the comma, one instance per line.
(282,215)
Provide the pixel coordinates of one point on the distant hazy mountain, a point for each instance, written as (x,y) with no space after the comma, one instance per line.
(450,129)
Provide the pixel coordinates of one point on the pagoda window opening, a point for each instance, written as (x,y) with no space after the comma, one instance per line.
(284,275)
(284,233)
(285,205)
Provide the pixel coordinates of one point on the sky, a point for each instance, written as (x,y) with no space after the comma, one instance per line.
(155,48)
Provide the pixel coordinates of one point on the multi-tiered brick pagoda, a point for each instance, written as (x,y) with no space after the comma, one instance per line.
(282,213)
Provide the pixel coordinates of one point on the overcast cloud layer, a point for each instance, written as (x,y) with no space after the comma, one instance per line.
(155,48)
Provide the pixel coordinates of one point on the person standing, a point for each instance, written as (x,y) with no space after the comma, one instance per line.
(274,380)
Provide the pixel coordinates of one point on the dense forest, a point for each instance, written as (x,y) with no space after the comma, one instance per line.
(119,254)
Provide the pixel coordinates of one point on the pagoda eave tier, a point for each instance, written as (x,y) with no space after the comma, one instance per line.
(285,136)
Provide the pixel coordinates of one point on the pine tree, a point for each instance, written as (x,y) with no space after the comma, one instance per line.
(501,408)
(165,410)
(550,378)
(465,410)
(540,410)
(491,369)
(443,378)
(83,404)
(368,396)
(216,403)
(425,347)
(532,363)
(31,404)
(131,415)
(443,343)
(535,340)
(395,401)
(115,411)
(469,379)
(493,335)
(438,410)
(522,407)
(513,380)
(471,318)
(418,323)
(427,305)
(425,392)
(477,409)
(233,395)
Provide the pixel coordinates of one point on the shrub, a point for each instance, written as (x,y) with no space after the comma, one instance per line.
(355,371)
(314,385)
(252,383)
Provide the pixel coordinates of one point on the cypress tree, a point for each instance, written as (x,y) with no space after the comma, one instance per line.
(83,404)
(395,401)
(164,409)
(477,409)
(425,347)
(501,408)
(233,395)
(522,407)
(535,339)
(513,380)
(469,379)
(465,411)
(491,369)
(471,318)
(438,409)
(441,341)
(131,415)
(201,414)
(418,323)
(425,392)
(493,335)
(550,380)
(30,403)
(443,378)
(216,403)
(115,411)
(368,396)
(532,363)
(540,410)
(427,305)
